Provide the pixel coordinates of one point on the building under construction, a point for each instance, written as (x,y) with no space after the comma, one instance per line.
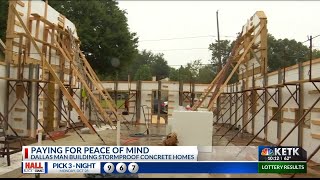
(47,86)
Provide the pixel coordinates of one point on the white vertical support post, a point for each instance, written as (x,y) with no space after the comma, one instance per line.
(118,133)
(37,175)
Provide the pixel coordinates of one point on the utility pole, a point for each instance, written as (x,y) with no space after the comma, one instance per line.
(219,53)
(310,66)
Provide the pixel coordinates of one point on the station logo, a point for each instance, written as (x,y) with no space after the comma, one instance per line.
(266,152)
(281,153)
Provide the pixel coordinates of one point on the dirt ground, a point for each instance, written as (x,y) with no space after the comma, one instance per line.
(109,136)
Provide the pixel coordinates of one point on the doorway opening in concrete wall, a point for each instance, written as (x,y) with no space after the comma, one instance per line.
(159,106)
(121,99)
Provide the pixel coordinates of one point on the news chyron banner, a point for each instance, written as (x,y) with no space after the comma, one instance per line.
(282,159)
(163,159)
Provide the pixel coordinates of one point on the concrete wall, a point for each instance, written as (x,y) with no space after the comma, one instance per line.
(311,132)
(146,93)
(3,85)
(38,7)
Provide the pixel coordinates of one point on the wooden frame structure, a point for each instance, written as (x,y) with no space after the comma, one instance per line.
(252,39)
(53,46)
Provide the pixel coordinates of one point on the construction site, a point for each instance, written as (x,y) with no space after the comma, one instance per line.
(50,95)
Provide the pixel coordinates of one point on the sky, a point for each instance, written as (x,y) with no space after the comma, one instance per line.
(191,26)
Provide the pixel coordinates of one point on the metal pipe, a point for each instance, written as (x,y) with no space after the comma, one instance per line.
(300,120)
(270,119)
(252,117)
(231,114)
(239,118)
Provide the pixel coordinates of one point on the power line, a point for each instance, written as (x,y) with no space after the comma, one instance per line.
(181,49)
(186,64)
(312,38)
(192,37)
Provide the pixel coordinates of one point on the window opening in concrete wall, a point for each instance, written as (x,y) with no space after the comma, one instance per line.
(274,110)
(306,119)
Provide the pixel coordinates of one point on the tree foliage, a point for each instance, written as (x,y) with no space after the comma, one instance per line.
(3,19)
(103,31)
(223,49)
(193,72)
(285,52)
(156,62)
(143,73)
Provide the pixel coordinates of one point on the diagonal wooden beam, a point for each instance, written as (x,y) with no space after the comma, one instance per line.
(100,88)
(52,72)
(84,83)
(96,79)
(236,66)
(2,46)
(235,50)
(204,96)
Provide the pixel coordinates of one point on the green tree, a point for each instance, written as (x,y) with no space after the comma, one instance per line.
(103,31)
(3,19)
(189,72)
(285,52)
(143,73)
(206,74)
(224,51)
(159,67)
(315,54)
(174,74)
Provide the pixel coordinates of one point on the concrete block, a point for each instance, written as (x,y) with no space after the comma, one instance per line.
(194,128)
(85,130)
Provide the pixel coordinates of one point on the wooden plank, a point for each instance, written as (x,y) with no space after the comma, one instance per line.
(20,3)
(37,17)
(97,83)
(63,89)
(17,23)
(60,19)
(313,92)
(86,86)
(14,43)
(18,119)
(316,122)
(315,110)
(20,13)
(19,110)
(36,39)
(288,120)
(18,130)
(235,68)
(2,46)
(249,73)
(37,29)
(29,25)
(315,136)
(62,16)
(60,24)
(93,77)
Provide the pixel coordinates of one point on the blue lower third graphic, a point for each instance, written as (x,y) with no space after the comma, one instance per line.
(180,167)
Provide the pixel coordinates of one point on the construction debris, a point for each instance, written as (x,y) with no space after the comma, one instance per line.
(171,140)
